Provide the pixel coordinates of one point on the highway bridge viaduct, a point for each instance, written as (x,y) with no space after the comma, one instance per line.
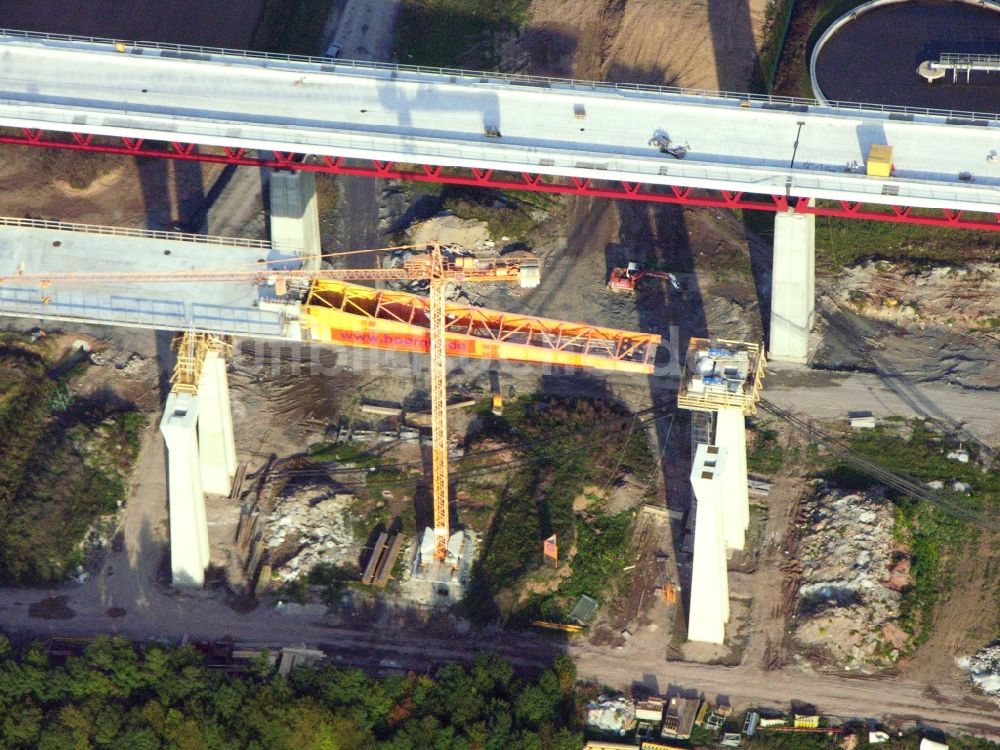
(796,158)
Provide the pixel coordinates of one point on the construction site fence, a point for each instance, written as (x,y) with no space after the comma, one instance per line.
(204,54)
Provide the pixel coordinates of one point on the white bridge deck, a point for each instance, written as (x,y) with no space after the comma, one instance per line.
(225,307)
(368,111)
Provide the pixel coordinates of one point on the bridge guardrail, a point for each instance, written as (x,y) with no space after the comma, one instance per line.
(197,52)
(148,234)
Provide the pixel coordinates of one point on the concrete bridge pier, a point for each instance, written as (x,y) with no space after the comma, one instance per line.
(188,524)
(708,611)
(201,458)
(216,441)
(294,213)
(793,287)
(731,436)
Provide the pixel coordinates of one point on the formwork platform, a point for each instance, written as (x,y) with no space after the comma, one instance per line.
(720,374)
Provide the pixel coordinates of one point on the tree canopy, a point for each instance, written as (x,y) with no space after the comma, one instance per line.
(121,697)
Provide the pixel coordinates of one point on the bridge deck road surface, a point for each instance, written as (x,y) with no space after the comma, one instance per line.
(371,111)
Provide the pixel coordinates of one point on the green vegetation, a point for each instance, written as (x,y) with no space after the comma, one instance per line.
(765,455)
(293,27)
(791,741)
(935,538)
(506,213)
(116,697)
(456,33)
(562,455)
(379,473)
(777,16)
(841,243)
(64,465)
(846,242)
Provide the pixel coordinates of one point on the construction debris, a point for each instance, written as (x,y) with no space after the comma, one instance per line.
(309,526)
(847,605)
(984,669)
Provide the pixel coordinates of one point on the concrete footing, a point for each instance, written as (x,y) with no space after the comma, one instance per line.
(294,213)
(730,435)
(793,287)
(709,605)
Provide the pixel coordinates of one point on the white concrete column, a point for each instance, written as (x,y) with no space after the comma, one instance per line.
(709,606)
(188,527)
(216,442)
(294,213)
(730,434)
(793,286)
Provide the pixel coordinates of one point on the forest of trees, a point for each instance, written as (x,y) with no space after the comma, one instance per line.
(120,697)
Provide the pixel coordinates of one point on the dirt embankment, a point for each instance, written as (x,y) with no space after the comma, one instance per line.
(710,44)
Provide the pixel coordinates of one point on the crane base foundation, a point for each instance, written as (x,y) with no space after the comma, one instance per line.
(446,580)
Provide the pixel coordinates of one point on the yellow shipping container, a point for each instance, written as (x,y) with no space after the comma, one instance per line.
(880,161)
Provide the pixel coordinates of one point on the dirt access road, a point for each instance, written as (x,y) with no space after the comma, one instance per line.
(401,641)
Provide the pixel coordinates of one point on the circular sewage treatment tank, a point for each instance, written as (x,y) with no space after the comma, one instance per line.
(873,57)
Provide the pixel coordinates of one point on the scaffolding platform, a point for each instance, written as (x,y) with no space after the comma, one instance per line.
(722,374)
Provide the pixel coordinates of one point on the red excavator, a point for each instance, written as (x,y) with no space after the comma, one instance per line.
(626,279)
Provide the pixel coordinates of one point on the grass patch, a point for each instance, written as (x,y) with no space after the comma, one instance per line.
(765,455)
(64,466)
(847,242)
(505,215)
(598,565)
(456,33)
(379,474)
(565,453)
(292,27)
(777,16)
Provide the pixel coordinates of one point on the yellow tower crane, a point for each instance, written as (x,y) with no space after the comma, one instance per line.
(430,263)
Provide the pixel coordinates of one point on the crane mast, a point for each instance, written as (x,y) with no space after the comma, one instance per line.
(439,402)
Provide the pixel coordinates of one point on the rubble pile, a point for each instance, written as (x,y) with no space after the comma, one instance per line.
(984,669)
(128,363)
(312,524)
(852,573)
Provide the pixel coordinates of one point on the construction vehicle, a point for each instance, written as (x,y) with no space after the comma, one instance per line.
(662,141)
(626,279)
(330,310)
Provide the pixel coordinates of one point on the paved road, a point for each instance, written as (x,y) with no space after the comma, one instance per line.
(824,394)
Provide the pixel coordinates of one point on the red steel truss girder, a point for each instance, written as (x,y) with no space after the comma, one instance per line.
(476,177)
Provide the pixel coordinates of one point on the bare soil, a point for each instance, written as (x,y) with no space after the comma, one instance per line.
(216,23)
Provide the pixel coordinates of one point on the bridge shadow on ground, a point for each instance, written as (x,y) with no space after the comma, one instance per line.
(737,62)
(656,237)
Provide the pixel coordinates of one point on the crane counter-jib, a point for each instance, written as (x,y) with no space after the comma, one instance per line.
(353,315)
